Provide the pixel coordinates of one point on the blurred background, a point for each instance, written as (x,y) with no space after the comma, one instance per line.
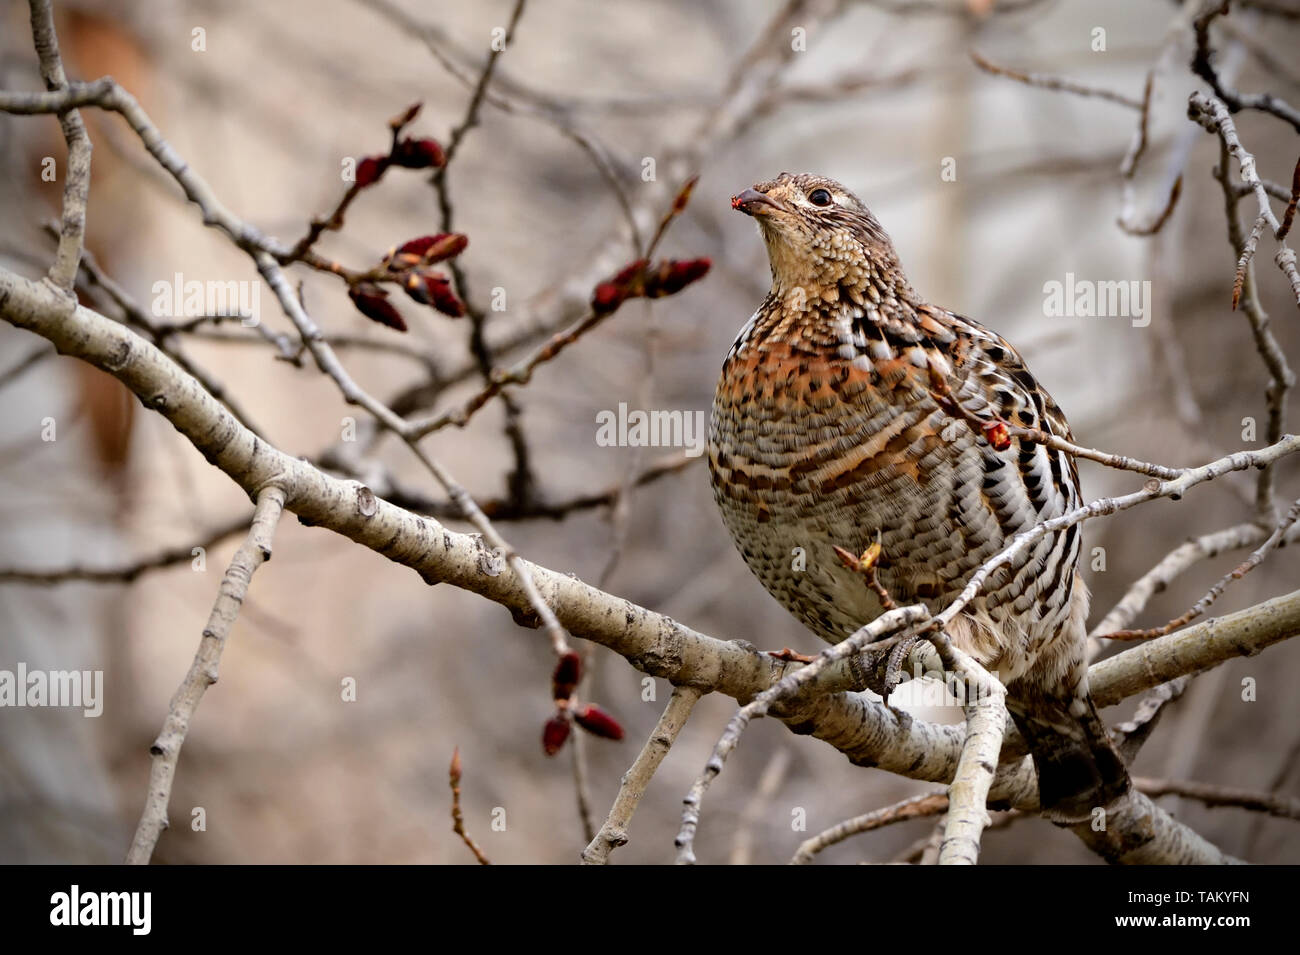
(885,98)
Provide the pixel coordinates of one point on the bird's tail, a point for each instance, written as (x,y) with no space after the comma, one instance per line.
(1078,767)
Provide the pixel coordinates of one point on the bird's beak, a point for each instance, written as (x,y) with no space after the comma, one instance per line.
(754,203)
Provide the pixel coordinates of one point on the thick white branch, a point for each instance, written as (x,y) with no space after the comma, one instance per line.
(986,715)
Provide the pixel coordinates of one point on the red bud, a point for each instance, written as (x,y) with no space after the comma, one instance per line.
(997,435)
(554,733)
(613,292)
(417,286)
(847,558)
(418,153)
(636,281)
(675,275)
(448,245)
(629,272)
(405,116)
(372,302)
(567,674)
(416,246)
(569,669)
(369,170)
(443,298)
(431,248)
(607,297)
(597,722)
(684,195)
(430,288)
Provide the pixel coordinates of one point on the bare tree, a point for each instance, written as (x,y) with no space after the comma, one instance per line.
(397,507)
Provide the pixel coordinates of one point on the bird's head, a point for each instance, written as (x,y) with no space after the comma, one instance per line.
(818,234)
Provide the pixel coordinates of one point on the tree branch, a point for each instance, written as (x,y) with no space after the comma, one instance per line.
(166,749)
(915,807)
(1284,807)
(128,571)
(613,833)
(76,180)
(864,730)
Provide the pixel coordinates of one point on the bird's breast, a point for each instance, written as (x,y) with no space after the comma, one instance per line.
(810,450)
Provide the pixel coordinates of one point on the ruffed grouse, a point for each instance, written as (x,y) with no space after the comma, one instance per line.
(834,425)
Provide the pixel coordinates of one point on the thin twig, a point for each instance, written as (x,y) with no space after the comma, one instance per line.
(1117,461)
(581,786)
(127,571)
(1130,735)
(539,508)
(514,98)
(1173,564)
(726,118)
(203,672)
(1059,84)
(1203,66)
(1288,216)
(1138,147)
(1162,216)
(330,365)
(1284,807)
(521,373)
(76,180)
(914,807)
(991,424)
(334,221)
(1245,292)
(28,361)
(1171,48)
(478,346)
(787,686)
(458,820)
(1215,592)
(1154,489)
(918,850)
(934,842)
(1213,115)
(613,832)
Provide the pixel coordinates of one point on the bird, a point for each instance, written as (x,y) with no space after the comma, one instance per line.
(850,413)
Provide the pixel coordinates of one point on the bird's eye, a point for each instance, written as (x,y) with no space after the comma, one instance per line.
(819,197)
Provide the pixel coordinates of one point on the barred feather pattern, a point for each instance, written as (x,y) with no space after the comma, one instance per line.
(832,425)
